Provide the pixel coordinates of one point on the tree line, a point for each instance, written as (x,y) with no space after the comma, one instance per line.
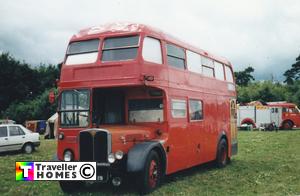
(24,88)
(250,90)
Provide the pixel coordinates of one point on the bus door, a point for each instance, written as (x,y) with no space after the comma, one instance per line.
(178,141)
(196,131)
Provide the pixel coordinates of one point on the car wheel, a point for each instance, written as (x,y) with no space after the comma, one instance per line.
(70,186)
(222,154)
(28,148)
(152,174)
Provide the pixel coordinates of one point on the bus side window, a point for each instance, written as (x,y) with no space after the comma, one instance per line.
(228,74)
(207,66)
(196,110)
(176,56)
(193,62)
(152,50)
(219,71)
(178,108)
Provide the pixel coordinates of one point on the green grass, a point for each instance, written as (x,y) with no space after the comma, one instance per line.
(268,163)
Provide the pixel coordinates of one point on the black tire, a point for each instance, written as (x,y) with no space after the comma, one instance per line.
(222,154)
(152,175)
(28,148)
(287,125)
(70,186)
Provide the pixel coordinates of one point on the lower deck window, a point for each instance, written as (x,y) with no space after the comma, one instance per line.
(178,108)
(196,111)
(145,110)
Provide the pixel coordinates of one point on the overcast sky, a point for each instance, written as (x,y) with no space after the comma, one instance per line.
(264,34)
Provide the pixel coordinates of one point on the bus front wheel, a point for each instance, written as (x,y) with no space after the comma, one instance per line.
(151,176)
(222,154)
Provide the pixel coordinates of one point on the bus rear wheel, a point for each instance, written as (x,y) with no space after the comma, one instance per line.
(222,154)
(151,176)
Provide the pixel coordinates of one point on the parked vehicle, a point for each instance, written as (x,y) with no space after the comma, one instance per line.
(7,121)
(144,104)
(38,126)
(16,137)
(270,116)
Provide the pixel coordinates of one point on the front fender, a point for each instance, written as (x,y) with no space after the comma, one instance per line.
(136,158)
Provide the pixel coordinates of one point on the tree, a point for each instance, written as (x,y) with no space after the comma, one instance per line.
(266,91)
(37,108)
(20,82)
(294,73)
(243,78)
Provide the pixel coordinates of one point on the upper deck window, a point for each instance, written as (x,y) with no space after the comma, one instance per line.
(152,50)
(120,48)
(228,74)
(176,56)
(193,62)
(82,52)
(207,66)
(219,71)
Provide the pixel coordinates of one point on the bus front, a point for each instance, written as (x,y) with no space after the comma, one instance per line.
(105,109)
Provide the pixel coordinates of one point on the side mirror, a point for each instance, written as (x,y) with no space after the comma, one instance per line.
(51,96)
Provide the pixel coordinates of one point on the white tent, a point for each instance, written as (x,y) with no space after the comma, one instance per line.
(52,120)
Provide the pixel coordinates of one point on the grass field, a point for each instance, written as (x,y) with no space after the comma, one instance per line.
(268,163)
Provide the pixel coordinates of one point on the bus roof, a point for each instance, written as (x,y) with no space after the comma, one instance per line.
(125,27)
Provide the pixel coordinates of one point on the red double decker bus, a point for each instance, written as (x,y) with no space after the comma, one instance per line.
(143,104)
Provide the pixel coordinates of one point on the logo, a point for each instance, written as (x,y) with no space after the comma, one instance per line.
(87,171)
(26,171)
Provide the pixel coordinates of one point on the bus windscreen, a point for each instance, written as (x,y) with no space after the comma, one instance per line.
(120,48)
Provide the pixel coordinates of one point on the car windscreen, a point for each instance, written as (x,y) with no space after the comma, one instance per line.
(120,48)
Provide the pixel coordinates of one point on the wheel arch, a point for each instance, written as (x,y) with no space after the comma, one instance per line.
(137,156)
(288,120)
(27,142)
(248,121)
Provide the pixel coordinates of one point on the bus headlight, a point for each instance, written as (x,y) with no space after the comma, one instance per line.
(119,155)
(61,136)
(111,158)
(68,155)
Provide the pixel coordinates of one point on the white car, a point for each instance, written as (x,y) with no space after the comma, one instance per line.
(16,137)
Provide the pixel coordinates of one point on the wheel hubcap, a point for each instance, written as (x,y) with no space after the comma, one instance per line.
(28,149)
(153,174)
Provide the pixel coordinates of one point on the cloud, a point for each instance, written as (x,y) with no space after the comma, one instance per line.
(260,33)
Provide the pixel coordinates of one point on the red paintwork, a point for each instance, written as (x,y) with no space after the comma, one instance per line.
(189,143)
(291,116)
